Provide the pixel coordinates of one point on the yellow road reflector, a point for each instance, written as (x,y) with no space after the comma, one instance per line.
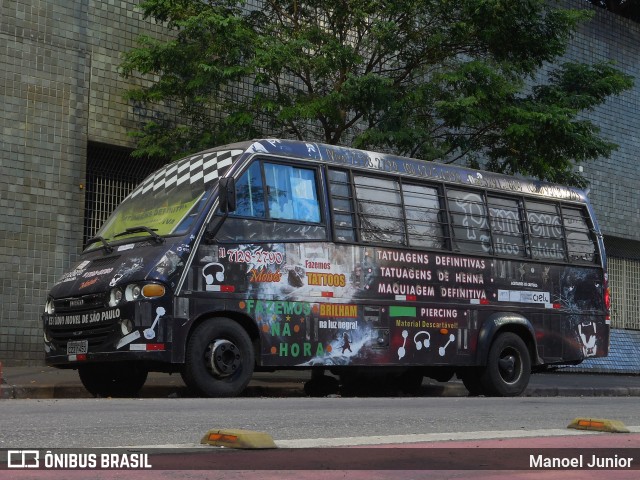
(238,439)
(599,425)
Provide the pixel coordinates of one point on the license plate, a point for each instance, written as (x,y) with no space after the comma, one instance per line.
(77,347)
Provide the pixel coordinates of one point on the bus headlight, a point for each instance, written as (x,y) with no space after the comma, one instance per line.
(126,326)
(49,307)
(135,291)
(132,292)
(115,297)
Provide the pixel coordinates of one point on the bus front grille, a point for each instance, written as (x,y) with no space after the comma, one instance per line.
(96,335)
(95,301)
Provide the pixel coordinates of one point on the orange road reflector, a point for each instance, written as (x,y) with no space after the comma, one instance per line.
(246,439)
(598,425)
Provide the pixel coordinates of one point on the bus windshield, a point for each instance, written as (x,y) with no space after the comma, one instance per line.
(163,211)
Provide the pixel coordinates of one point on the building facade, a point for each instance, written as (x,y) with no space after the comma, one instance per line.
(64,161)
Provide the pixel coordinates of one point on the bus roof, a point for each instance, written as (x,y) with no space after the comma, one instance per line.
(392,164)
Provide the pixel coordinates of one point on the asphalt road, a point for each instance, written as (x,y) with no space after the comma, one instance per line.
(468,431)
(147,422)
(399,438)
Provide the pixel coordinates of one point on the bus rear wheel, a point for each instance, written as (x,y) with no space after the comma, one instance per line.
(381,381)
(112,379)
(508,367)
(219,359)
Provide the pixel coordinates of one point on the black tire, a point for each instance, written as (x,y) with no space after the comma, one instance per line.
(113,379)
(441,374)
(389,382)
(410,381)
(508,367)
(322,386)
(219,360)
(471,380)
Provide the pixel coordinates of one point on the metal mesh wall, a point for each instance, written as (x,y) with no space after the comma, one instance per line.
(624,280)
(112,173)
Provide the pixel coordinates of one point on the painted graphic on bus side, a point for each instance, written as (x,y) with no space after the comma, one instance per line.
(326,304)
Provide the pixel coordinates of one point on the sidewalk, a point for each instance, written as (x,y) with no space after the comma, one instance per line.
(47,382)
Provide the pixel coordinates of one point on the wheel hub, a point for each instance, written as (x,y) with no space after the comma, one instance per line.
(507,366)
(224,358)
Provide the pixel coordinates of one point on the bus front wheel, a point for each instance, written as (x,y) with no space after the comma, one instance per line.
(471,380)
(219,360)
(112,379)
(508,367)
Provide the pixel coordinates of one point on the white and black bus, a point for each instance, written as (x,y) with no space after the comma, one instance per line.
(277,254)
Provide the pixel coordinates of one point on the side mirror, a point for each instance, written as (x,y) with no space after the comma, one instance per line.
(227,194)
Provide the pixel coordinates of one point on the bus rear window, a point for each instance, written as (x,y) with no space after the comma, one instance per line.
(390,210)
(344,223)
(580,242)
(547,240)
(506,226)
(469,221)
(380,210)
(423,216)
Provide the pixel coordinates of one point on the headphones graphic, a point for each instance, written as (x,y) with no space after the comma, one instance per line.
(208,277)
(426,342)
(420,343)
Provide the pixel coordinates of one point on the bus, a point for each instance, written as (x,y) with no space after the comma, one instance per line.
(276,254)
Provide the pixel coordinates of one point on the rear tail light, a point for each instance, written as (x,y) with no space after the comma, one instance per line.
(607,295)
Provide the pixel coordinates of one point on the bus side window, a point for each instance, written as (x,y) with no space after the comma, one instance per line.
(250,193)
(580,242)
(469,221)
(506,226)
(424,215)
(292,193)
(344,225)
(379,210)
(545,227)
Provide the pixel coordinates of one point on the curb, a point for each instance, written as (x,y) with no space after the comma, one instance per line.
(291,390)
(582,392)
(41,392)
(39,384)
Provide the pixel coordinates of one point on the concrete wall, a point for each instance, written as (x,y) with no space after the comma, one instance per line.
(59,89)
(44,94)
(614,182)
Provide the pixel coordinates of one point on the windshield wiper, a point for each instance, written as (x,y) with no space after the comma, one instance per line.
(108,248)
(140,229)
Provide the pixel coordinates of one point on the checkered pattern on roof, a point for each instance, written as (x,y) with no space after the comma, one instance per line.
(201,167)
